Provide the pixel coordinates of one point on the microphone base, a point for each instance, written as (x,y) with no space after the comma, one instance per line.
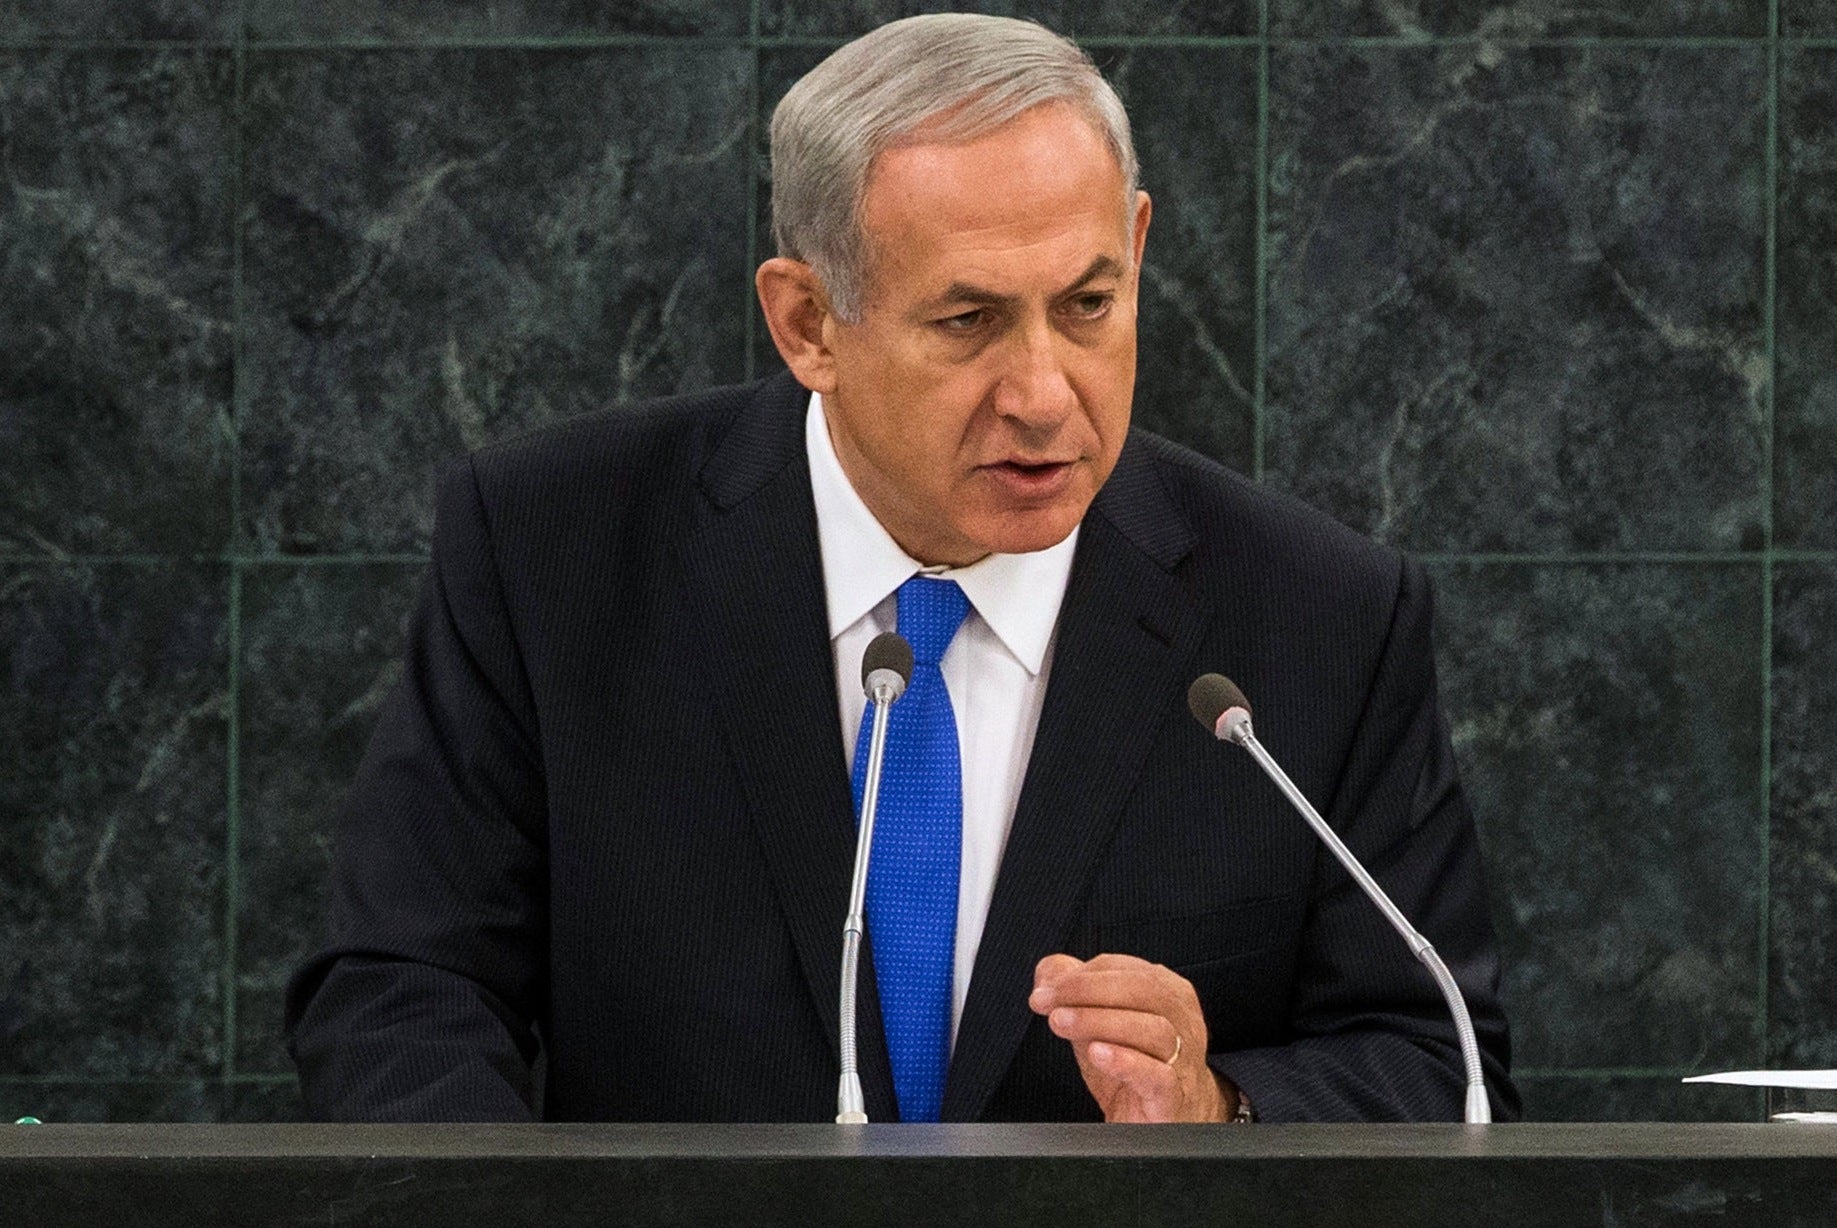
(1479,1109)
(851,1106)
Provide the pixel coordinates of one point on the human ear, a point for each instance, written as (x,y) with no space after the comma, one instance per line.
(1144,209)
(797,310)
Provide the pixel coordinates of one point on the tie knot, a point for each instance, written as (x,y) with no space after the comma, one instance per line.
(930,611)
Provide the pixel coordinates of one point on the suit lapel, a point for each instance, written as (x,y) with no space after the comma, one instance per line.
(1127,634)
(755,571)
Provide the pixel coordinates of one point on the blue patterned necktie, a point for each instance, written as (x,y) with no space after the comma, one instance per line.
(918,842)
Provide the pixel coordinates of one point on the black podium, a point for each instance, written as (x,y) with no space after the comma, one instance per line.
(554,1175)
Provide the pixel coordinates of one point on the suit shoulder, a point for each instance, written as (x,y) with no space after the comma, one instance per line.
(612,487)
(615,443)
(1269,528)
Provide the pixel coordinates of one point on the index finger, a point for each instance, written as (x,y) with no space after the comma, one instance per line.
(1149,987)
(1054,968)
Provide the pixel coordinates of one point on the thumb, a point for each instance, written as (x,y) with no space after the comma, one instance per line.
(1052,969)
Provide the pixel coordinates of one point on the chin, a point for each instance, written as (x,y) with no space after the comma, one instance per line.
(1027,532)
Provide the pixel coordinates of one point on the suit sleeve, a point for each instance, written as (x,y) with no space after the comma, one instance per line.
(421,1006)
(1372,1036)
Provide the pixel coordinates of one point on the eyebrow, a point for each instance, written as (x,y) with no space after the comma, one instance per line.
(963,292)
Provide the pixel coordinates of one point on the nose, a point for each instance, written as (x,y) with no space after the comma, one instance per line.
(1034,390)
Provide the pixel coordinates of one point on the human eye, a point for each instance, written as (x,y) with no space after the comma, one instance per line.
(964,321)
(1091,305)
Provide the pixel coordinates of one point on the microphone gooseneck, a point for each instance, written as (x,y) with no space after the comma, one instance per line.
(886,669)
(1218,704)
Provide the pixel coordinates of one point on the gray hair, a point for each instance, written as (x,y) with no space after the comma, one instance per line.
(958,76)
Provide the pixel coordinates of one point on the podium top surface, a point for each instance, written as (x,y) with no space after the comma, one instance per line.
(827,1142)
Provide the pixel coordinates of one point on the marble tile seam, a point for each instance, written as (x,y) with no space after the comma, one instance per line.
(91,44)
(238,315)
(1770,278)
(1381,41)
(789,41)
(350,560)
(205,560)
(94,560)
(1484,558)
(232,827)
(1364,40)
(519,42)
(1764,822)
(586,42)
(1107,41)
(424,43)
(748,312)
(275,1077)
(1260,309)
(241,1080)
(232,823)
(1609,558)
(1769,317)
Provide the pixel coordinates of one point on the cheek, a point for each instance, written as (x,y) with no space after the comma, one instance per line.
(1106,387)
(945,413)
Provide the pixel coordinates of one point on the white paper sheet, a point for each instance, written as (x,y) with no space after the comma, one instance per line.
(1817,1080)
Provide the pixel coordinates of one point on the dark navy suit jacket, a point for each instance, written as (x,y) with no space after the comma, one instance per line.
(605,814)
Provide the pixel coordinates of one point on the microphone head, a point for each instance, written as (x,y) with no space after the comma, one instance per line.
(1218,704)
(887,664)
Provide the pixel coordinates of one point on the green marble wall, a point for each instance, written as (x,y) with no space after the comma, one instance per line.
(1544,292)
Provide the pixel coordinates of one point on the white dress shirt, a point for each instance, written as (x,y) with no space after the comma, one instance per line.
(995,668)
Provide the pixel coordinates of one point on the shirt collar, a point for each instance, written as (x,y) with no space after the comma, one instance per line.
(1017,595)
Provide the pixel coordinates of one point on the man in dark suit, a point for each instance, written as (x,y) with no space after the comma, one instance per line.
(606,816)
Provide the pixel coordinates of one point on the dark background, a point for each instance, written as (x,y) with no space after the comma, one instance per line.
(1540,291)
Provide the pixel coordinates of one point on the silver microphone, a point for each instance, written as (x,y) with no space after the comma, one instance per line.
(886,668)
(1220,706)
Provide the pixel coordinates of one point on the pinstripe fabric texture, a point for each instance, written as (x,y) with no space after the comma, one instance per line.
(602,819)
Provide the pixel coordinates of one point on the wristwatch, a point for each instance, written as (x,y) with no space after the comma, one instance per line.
(1244,1114)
